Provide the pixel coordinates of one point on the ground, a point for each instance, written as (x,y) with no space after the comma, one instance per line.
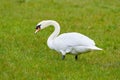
(25,56)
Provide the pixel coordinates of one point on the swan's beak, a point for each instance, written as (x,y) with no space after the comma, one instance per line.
(37,30)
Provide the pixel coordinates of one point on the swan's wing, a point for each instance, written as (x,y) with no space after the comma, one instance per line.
(72,39)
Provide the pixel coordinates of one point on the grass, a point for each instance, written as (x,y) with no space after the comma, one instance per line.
(25,56)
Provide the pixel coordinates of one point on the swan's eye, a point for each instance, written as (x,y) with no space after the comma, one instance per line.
(38,26)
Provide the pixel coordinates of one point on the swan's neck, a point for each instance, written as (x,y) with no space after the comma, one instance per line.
(54,34)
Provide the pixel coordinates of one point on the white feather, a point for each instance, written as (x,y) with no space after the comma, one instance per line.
(73,42)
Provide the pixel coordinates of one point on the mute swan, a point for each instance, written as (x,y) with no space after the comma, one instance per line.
(73,43)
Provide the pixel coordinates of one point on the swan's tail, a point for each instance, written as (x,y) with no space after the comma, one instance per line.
(95,48)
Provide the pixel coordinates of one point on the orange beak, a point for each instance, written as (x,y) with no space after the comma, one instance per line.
(37,30)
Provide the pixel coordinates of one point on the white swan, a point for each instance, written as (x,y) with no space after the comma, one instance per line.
(73,43)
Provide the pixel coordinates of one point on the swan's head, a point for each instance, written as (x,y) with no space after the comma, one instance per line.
(40,26)
(43,24)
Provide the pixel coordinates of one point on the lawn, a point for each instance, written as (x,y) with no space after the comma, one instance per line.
(26,56)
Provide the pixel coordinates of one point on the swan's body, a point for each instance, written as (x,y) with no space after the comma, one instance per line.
(73,42)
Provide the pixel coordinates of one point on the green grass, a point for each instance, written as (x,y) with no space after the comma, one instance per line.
(25,56)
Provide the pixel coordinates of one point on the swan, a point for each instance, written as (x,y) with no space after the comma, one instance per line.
(73,42)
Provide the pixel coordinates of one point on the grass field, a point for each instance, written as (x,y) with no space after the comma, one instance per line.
(25,56)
